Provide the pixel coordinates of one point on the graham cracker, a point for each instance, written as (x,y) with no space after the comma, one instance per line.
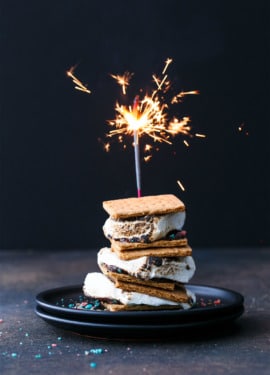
(120,307)
(157,283)
(158,252)
(119,245)
(177,295)
(148,205)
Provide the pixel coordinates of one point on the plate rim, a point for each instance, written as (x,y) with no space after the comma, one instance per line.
(118,331)
(97,315)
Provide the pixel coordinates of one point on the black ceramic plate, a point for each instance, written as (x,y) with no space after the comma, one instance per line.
(212,303)
(218,324)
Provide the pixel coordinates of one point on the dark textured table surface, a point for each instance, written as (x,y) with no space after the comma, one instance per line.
(29,345)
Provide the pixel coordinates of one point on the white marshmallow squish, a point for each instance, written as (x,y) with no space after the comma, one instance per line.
(179,269)
(143,229)
(97,285)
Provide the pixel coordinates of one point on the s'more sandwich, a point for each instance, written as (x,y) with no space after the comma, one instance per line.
(149,261)
(150,225)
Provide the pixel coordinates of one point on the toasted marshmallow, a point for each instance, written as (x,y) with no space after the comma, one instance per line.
(179,269)
(144,228)
(97,285)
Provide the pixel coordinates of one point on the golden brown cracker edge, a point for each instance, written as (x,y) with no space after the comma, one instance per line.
(121,245)
(178,295)
(114,276)
(121,307)
(157,252)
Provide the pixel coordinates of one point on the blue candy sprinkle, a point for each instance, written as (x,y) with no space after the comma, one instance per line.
(38,356)
(93,364)
(96,351)
(89,306)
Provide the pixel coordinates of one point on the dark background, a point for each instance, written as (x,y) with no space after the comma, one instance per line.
(54,171)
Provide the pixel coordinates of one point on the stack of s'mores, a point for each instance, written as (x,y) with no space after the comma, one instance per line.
(149,262)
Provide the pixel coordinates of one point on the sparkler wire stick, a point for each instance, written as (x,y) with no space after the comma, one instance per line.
(137,149)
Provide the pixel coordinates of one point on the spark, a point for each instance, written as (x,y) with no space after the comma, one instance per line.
(180,126)
(148,148)
(198,135)
(78,84)
(147,158)
(123,80)
(180,185)
(177,98)
(241,129)
(107,147)
(159,82)
(167,63)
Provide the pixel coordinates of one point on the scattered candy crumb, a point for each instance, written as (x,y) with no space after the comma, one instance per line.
(94,351)
(44,351)
(208,302)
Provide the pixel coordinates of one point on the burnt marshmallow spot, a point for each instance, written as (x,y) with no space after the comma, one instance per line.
(114,269)
(155,261)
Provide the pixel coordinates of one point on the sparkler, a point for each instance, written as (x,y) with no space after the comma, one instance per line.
(149,116)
